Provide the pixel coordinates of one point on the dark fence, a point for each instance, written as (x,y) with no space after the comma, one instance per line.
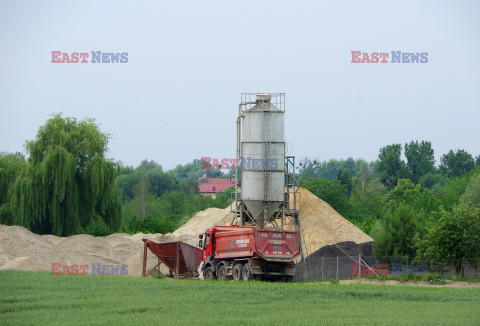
(348,267)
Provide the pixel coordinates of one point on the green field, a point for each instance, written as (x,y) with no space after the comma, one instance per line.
(38,297)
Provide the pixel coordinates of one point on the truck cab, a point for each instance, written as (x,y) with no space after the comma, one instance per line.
(206,243)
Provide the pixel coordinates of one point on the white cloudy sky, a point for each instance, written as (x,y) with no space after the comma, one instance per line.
(176,99)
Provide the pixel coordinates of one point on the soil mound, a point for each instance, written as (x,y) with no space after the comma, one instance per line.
(24,264)
(204,220)
(344,249)
(323,226)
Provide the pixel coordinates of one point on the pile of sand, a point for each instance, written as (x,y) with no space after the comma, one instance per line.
(23,250)
(322,225)
(203,221)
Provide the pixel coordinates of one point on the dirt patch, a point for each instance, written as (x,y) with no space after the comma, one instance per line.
(448,283)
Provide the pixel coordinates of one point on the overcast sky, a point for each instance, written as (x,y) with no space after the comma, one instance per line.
(188,61)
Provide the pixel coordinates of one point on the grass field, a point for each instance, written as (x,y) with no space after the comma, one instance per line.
(38,297)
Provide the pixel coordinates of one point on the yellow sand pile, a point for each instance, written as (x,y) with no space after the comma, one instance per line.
(21,249)
(322,225)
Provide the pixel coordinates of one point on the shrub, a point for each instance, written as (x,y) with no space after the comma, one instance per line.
(97,227)
(150,225)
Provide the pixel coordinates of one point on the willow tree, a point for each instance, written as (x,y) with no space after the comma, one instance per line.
(10,166)
(67,182)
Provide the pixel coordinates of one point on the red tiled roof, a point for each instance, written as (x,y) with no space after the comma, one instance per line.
(221,180)
(213,188)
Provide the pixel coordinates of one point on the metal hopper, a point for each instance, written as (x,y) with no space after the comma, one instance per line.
(181,258)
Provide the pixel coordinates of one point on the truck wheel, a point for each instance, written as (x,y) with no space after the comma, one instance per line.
(222,273)
(246,275)
(208,274)
(237,272)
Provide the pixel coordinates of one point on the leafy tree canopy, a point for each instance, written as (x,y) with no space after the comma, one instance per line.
(312,168)
(471,196)
(390,165)
(194,171)
(420,159)
(406,192)
(456,164)
(397,237)
(451,238)
(10,166)
(67,181)
(451,193)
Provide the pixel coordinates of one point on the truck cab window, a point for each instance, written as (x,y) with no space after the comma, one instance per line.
(207,240)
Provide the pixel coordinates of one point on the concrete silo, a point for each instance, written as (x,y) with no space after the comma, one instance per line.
(261,151)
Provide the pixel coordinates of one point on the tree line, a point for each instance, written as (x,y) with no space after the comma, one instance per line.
(411,207)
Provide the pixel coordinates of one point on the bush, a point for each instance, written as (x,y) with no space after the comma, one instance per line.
(97,227)
(150,225)
(435,279)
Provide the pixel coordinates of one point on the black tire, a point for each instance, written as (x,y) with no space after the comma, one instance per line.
(222,273)
(208,273)
(246,273)
(237,272)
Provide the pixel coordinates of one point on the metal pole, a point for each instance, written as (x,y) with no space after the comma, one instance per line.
(144,257)
(177,260)
(238,163)
(359,265)
(406,268)
(337,267)
(322,269)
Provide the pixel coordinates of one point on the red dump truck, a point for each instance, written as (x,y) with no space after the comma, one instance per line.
(248,253)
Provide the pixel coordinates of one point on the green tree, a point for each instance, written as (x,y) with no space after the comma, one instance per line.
(10,166)
(397,237)
(471,196)
(451,193)
(223,199)
(194,170)
(367,204)
(67,181)
(406,192)
(434,181)
(126,183)
(162,182)
(331,191)
(420,159)
(143,192)
(188,186)
(364,176)
(390,165)
(312,168)
(344,177)
(456,164)
(451,239)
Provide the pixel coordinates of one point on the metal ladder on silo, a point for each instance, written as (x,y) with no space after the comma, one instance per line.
(267,150)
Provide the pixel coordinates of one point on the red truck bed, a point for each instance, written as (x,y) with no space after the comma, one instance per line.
(248,241)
